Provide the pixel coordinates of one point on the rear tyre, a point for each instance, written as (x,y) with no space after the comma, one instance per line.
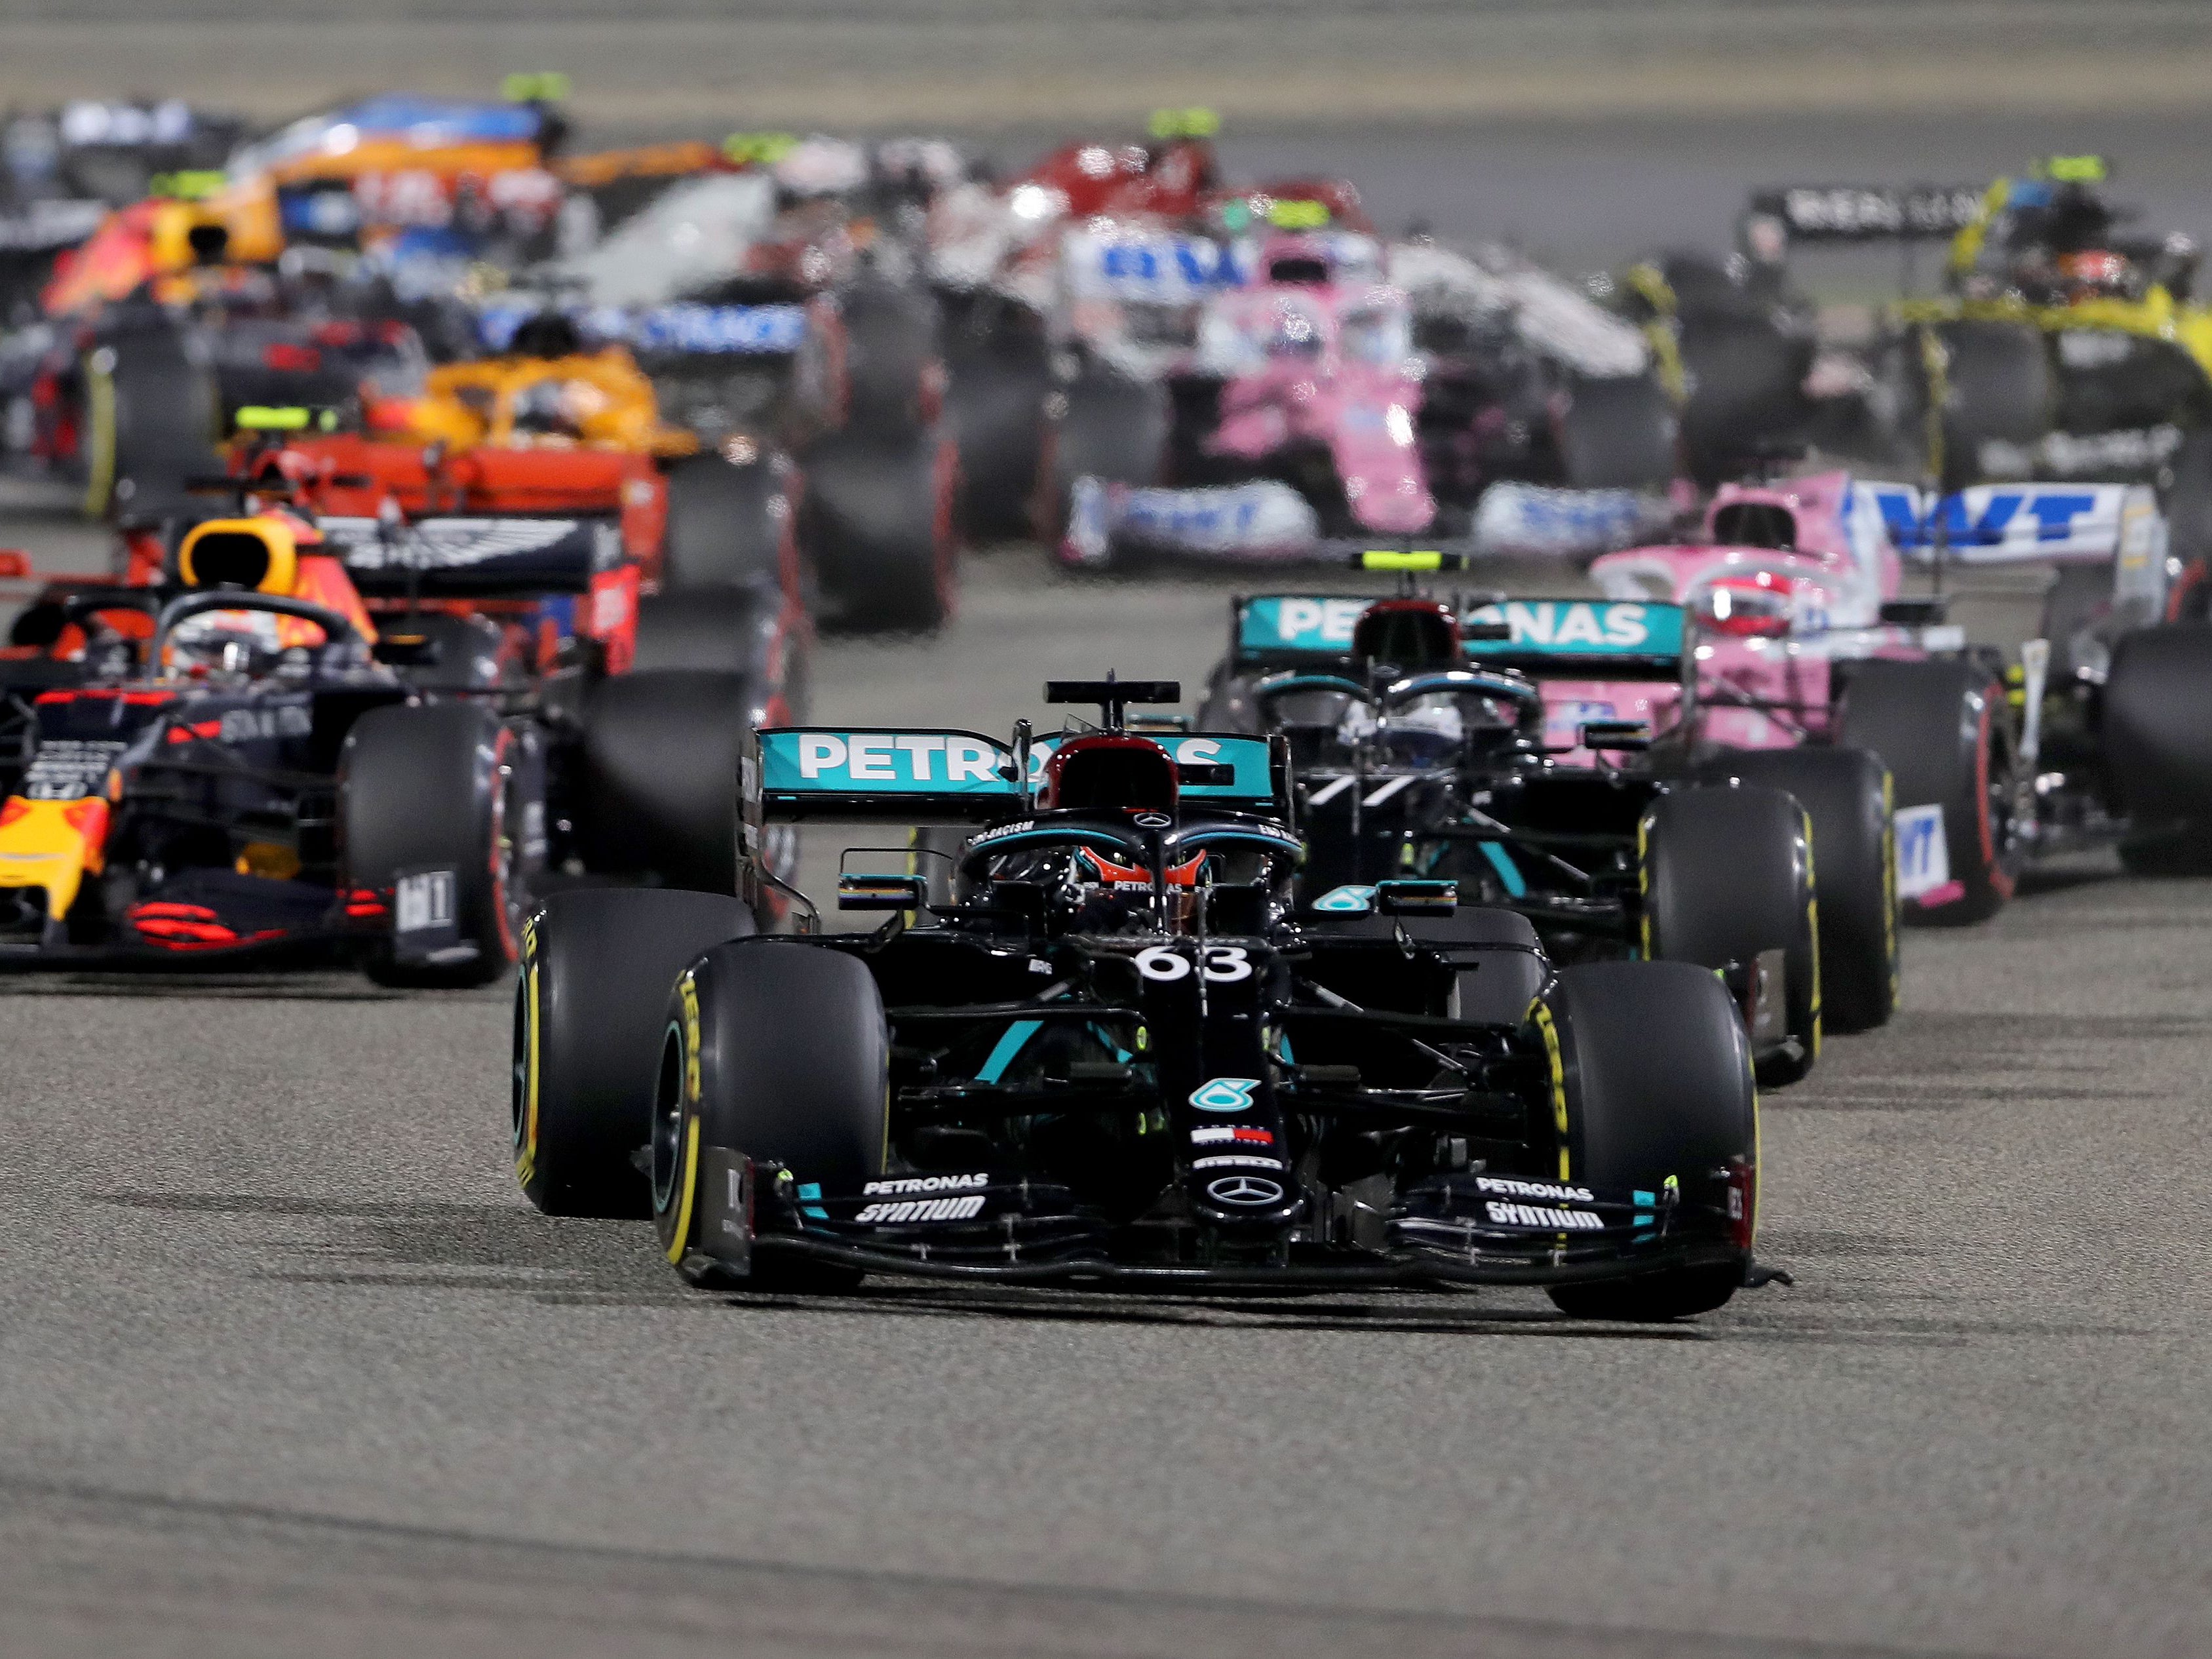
(658,779)
(894,377)
(1845,792)
(1747,380)
(2158,747)
(444,787)
(726,630)
(1943,729)
(588,1023)
(2002,391)
(779,1053)
(995,405)
(727,527)
(880,525)
(1105,427)
(153,418)
(1619,434)
(1654,1083)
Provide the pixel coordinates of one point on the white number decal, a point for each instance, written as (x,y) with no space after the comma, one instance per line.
(1160,963)
(1226,964)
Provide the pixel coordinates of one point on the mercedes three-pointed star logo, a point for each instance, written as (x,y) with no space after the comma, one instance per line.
(1250,1191)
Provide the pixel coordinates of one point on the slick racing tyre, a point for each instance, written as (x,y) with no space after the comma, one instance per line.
(153,418)
(1726,876)
(995,405)
(441,816)
(776,1052)
(657,784)
(895,377)
(2189,529)
(1999,391)
(1745,383)
(728,527)
(729,631)
(1653,1082)
(1101,426)
(1845,792)
(588,1007)
(1618,433)
(2158,747)
(1945,731)
(880,518)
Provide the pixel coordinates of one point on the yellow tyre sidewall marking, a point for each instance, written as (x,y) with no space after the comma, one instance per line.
(1643,881)
(687,1180)
(687,1176)
(1813,926)
(1542,1016)
(99,427)
(526,1163)
(1889,888)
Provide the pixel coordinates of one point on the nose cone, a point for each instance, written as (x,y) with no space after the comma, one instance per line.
(1391,505)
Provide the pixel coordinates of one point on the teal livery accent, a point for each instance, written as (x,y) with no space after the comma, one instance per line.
(1508,872)
(1276,624)
(1010,1044)
(825,761)
(1630,628)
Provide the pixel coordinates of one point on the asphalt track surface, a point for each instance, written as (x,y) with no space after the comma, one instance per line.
(287,1367)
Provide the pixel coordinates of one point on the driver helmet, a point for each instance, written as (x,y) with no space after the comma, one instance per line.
(1116,891)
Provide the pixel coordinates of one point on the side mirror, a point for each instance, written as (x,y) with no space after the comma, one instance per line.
(1487,633)
(408,650)
(1616,734)
(1916,613)
(1417,898)
(881,892)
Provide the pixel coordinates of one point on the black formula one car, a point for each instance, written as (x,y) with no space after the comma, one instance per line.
(1429,739)
(1122,1056)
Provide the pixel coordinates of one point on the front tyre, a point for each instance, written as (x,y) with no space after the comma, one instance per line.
(1654,1083)
(1727,877)
(778,1053)
(596,966)
(1845,795)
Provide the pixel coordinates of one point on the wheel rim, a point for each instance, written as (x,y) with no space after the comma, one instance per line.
(2000,828)
(524,1013)
(668,1120)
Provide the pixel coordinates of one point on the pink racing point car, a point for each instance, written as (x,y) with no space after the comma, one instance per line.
(1807,643)
(1294,428)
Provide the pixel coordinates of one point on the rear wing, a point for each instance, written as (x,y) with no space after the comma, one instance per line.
(1291,630)
(680,329)
(1873,213)
(2014,523)
(475,557)
(1608,639)
(880,774)
(1142,266)
(915,775)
